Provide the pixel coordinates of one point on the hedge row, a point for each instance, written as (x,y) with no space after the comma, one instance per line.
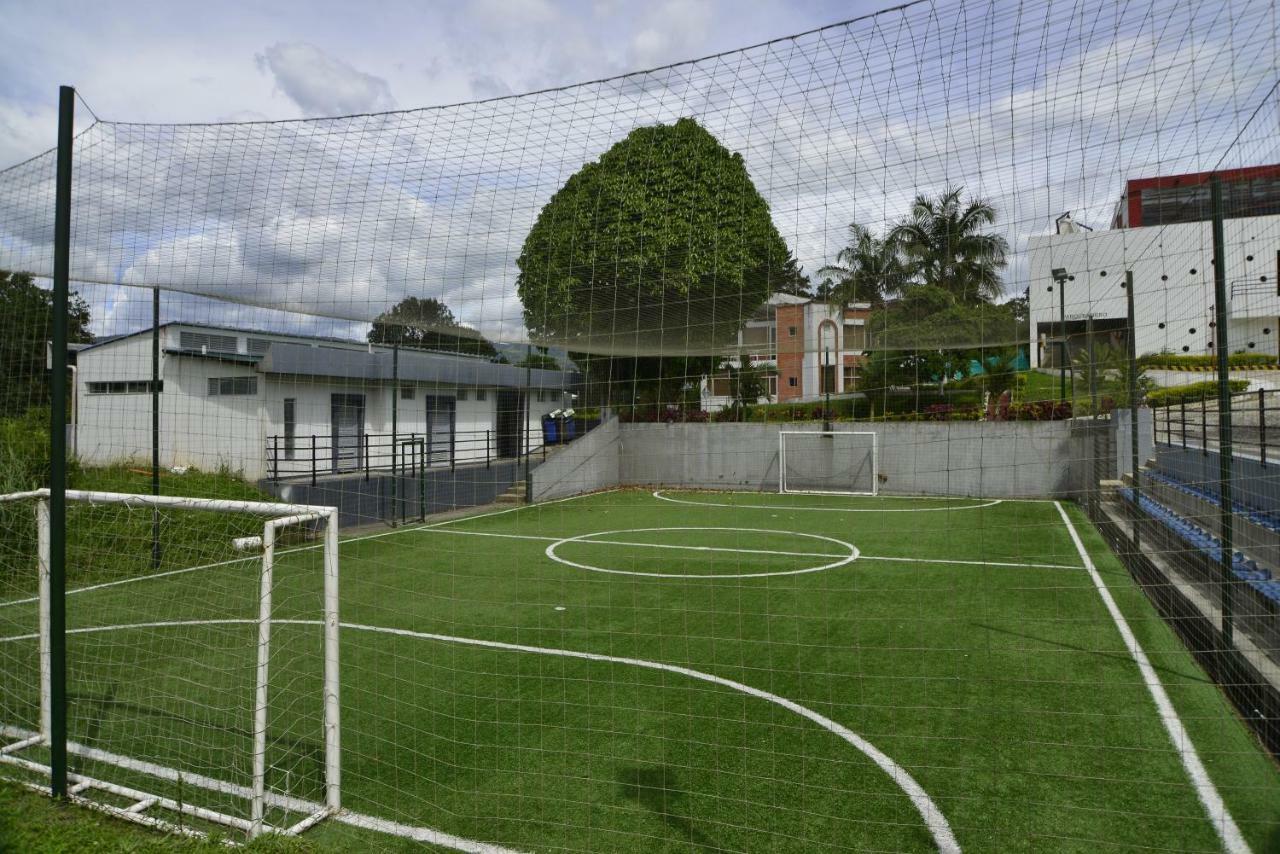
(1191,393)
(1188,362)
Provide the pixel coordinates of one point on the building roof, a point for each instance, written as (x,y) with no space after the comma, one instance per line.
(316,356)
(376,364)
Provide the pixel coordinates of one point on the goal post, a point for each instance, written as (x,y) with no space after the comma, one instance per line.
(316,522)
(828,462)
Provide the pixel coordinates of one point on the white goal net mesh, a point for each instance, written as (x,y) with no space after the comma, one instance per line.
(837,462)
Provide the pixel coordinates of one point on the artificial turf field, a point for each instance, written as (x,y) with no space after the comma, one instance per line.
(682,671)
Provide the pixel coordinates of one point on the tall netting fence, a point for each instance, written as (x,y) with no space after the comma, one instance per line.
(861,440)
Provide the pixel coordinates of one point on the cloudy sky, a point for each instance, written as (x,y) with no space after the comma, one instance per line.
(202,62)
(1040,106)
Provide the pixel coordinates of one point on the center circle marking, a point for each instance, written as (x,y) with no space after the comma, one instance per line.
(587,538)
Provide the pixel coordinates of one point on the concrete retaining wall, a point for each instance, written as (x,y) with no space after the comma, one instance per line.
(589,463)
(963,458)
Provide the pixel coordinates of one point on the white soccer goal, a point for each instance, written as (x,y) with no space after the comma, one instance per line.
(834,462)
(209,748)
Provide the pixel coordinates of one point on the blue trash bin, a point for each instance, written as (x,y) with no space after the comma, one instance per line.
(550,430)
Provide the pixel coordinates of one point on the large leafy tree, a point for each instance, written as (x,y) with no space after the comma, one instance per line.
(944,242)
(427,324)
(867,269)
(663,247)
(26,317)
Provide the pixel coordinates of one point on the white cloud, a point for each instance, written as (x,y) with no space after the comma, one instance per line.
(323,85)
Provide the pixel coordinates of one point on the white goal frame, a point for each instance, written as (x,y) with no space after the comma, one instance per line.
(277,517)
(782,461)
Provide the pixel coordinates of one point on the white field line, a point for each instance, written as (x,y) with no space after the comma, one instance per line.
(928,810)
(861,555)
(132,579)
(850,555)
(1219,816)
(948,560)
(275,799)
(657,493)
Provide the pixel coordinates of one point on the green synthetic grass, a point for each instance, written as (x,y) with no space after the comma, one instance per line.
(1005,691)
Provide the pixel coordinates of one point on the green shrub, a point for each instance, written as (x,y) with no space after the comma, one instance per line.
(1191,393)
(1187,361)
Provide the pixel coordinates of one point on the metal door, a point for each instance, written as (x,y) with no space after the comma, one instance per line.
(348,430)
(441,422)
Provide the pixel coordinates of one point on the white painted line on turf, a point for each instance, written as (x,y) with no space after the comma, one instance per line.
(275,799)
(933,818)
(582,538)
(585,538)
(280,553)
(1219,816)
(657,493)
(861,555)
(968,562)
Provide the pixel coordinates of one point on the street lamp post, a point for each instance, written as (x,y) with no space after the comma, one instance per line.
(1060,277)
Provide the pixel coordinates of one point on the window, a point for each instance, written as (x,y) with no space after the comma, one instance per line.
(123,387)
(721,386)
(791,331)
(791,381)
(232,386)
(258,346)
(850,377)
(406,392)
(771,383)
(462,394)
(827,380)
(479,394)
(290,427)
(206,341)
(855,336)
(827,358)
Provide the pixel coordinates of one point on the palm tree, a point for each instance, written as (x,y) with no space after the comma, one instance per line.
(866,270)
(943,244)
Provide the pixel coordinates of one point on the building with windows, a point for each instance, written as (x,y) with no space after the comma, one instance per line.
(270,405)
(1163,235)
(804,348)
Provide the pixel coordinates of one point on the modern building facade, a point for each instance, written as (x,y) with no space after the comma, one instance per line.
(1172,263)
(269,405)
(804,348)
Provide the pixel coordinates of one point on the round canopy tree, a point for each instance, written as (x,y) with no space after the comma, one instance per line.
(663,246)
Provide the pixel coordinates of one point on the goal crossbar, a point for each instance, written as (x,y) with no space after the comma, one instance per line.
(871,450)
(277,516)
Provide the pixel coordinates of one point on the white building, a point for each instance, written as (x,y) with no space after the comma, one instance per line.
(273,405)
(1172,266)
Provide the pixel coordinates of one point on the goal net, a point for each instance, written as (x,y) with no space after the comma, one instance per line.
(201,656)
(839,462)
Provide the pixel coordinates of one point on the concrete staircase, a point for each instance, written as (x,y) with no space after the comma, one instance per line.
(517,494)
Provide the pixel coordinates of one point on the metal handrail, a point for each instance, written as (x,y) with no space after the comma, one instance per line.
(1255,417)
(411,453)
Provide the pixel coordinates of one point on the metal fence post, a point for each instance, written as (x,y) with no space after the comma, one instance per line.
(58,448)
(1224,408)
(1183,405)
(1133,406)
(1262,426)
(313,459)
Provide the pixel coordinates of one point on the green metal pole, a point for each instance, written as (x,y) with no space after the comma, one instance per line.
(524,429)
(155,425)
(395,428)
(1133,405)
(1062,340)
(58,449)
(1224,408)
